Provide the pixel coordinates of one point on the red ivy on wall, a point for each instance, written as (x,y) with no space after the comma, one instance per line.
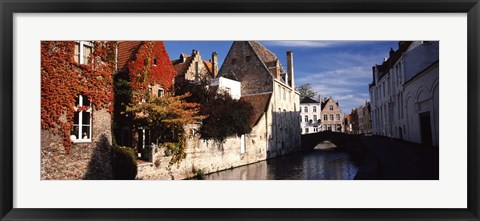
(63,80)
(151,65)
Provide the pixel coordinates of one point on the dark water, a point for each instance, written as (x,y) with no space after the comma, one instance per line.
(320,164)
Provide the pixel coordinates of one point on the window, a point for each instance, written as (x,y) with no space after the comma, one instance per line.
(331,107)
(306,130)
(314,118)
(160,92)
(331,117)
(306,118)
(338,116)
(305,109)
(82,120)
(228,90)
(233,61)
(284,94)
(155,61)
(383,88)
(325,117)
(83,52)
(314,108)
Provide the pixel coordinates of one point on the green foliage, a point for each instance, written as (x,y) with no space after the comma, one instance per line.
(164,115)
(124,163)
(200,175)
(175,149)
(306,90)
(226,117)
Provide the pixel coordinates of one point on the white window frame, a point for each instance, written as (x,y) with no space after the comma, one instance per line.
(81,46)
(160,92)
(80,122)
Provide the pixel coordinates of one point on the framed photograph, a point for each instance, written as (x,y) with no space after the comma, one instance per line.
(239,110)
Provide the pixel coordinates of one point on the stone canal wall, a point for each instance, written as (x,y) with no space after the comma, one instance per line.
(208,155)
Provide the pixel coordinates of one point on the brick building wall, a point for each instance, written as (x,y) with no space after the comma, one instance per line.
(242,64)
(90,160)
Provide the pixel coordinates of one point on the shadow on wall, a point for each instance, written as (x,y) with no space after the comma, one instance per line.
(284,134)
(100,167)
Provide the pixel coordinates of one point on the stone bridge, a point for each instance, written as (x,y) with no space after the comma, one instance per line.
(348,142)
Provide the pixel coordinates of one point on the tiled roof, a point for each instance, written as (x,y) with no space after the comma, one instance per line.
(260,104)
(182,67)
(267,57)
(209,67)
(126,51)
(394,56)
(307,100)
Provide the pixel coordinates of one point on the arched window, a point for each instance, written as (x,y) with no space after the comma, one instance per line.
(82,120)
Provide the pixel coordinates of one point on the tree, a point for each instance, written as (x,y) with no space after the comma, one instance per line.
(306,91)
(226,117)
(164,115)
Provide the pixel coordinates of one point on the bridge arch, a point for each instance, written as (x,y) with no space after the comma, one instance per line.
(341,140)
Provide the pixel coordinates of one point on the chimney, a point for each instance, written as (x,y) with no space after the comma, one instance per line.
(214,64)
(290,69)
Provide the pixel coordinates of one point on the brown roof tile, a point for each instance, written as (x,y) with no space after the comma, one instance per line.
(260,104)
(126,51)
(180,66)
(209,67)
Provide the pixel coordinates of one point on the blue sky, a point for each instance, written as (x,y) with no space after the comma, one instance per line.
(341,69)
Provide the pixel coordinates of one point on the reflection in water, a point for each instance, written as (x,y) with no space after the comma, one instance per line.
(314,165)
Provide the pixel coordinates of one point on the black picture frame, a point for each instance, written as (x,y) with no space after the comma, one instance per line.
(9,7)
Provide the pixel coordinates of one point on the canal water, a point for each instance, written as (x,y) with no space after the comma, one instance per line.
(325,162)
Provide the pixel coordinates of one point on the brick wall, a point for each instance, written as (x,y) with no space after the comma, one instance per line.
(86,160)
(248,68)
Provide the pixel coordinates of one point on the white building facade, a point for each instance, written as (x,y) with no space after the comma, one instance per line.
(310,115)
(229,86)
(404,93)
